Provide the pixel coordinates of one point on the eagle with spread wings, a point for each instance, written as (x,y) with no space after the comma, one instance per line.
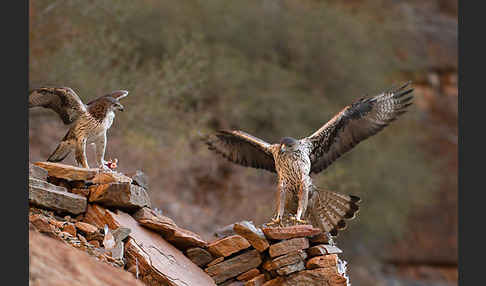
(294,160)
(89,122)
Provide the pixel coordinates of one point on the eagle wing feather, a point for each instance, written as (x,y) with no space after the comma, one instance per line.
(242,148)
(356,122)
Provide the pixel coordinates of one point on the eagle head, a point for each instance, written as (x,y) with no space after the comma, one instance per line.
(288,144)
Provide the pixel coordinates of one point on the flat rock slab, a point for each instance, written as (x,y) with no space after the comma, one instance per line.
(104,177)
(228,245)
(199,256)
(289,232)
(254,235)
(234,266)
(68,172)
(256,281)
(286,259)
(322,261)
(159,262)
(181,238)
(56,198)
(323,249)
(37,172)
(120,195)
(155,221)
(316,277)
(288,246)
(286,270)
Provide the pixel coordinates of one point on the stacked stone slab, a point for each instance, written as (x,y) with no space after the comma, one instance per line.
(252,256)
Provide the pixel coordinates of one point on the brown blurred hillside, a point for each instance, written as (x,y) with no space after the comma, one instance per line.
(274,69)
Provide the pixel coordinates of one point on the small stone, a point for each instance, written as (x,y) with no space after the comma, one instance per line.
(322,261)
(86,227)
(279,233)
(323,249)
(256,281)
(228,245)
(82,239)
(70,228)
(199,256)
(248,275)
(288,246)
(57,223)
(286,270)
(94,243)
(254,235)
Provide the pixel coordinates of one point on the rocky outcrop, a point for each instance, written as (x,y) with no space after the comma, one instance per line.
(114,223)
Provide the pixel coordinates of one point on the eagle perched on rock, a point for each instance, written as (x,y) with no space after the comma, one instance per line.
(294,160)
(89,122)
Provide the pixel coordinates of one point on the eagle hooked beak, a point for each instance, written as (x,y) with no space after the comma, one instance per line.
(282,148)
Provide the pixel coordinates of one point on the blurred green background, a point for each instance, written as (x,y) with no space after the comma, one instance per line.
(271,68)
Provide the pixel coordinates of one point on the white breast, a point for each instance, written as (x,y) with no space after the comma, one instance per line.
(108,121)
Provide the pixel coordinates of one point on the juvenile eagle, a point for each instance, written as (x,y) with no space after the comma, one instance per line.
(294,160)
(89,122)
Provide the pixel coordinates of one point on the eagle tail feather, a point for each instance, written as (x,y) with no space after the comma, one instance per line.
(328,210)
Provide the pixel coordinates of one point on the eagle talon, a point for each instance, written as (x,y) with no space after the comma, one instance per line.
(275,221)
(295,219)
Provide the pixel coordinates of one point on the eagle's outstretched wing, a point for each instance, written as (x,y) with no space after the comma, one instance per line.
(242,148)
(62,100)
(117,95)
(356,122)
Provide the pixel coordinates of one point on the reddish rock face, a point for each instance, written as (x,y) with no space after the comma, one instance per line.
(288,246)
(228,245)
(289,232)
(52,262)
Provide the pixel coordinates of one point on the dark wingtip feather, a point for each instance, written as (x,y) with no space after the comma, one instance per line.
(355,199)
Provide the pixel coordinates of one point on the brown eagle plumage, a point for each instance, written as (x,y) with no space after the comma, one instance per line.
(294,160)
(89,122)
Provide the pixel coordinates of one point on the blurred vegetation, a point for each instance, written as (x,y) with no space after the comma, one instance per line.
(271,68)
